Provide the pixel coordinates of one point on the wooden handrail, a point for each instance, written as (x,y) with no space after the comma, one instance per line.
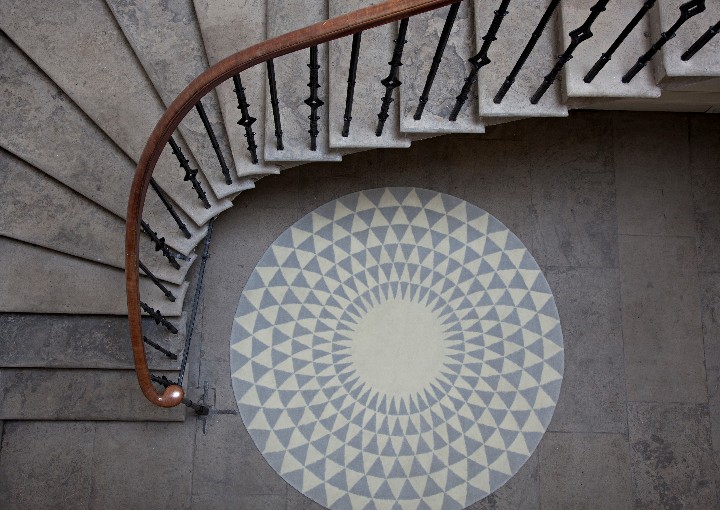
(341,26)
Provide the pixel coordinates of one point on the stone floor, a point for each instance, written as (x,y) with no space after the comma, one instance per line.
(622,212)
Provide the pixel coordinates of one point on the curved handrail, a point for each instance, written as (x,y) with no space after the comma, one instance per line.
(341,26)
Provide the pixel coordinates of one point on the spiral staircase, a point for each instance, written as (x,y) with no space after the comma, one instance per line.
(84,83)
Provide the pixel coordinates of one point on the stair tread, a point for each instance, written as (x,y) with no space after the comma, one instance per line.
(106,81)
(167,41)
(228,27)
(423,35)
(68,222)
(45,128)
(38,280)
(515,31)
(81,341)
(113,395)
(607,84)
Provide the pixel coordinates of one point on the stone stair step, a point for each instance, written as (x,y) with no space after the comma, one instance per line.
(102,395)
(514,33)
(423,35)
(284,16)
(376,50)
(607,84)
(669,68)
(68,222)
(38,280)
(228,27)
(167,41)
(82,341)
(106,81)
(45,128)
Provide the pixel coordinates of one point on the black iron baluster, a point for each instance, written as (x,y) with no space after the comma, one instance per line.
(246,120)
(199,409)
(314,102)
(481,59)
(354,55)
(158,317)
(577,36)
(605,57)
(160,348)
(437,58)
(687,11)
(157,282)
(213,141)
(190,174)
(275,104)
(534,38)
(160,244)
(391,82)
(161,194)
(700,43)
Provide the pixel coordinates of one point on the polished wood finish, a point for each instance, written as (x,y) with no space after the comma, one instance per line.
(341,26)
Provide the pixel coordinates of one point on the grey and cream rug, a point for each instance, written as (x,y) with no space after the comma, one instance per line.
(397,348)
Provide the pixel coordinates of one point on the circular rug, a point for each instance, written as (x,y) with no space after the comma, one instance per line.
(397,348)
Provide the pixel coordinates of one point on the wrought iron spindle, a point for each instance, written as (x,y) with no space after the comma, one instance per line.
(314,102)
(605,57)
(199,409)
(160,348)
(577,36)
(534,38)
(157,282)
(158,317)
(391,82)
(687,11)
(213,141)
(161,194)
(700,43)
(481,59)
(354,55)
(275,104)
(160,244)
(190,174)
(437,58)
(246,120)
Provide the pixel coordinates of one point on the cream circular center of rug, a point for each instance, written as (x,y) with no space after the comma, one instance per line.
(397,347)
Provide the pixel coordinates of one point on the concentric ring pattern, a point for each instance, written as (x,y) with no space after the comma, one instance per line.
(397,348)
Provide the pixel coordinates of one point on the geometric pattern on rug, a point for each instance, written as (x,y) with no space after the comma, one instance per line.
(397,348)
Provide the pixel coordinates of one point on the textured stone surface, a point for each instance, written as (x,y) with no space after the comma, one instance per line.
(710,300)
(46,465)
(661,320)
(376,50)
(45,128)
(607,84)
(585,471)
(65,341)
(37,394)
(68,222)
(106,81)
(423,35)
(670,449)
(704,164)
(167,41)
(37,280)
(523,16)
(283,17)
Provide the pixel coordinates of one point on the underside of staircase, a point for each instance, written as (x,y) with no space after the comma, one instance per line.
(84,83)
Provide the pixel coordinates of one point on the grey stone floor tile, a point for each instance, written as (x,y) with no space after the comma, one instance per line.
(297,501)
(592,398)
(46,465)
(704,164)
(585,471)
(661,320)
(322,182)
(142,465)
(521,492)
(672,461)
(239,502)
(273,192)
(652,174)
(228,462)
(710,299)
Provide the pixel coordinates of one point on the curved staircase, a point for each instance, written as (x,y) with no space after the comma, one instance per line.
(84,83)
